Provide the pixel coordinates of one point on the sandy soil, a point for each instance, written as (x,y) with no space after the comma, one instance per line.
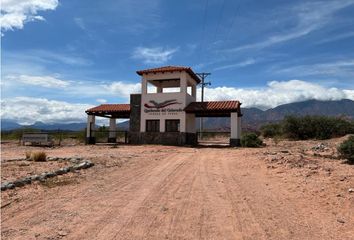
(13,170)
(280,191)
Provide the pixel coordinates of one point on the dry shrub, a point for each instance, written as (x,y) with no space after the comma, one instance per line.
(36,156)
(28,155)
(251,140)
(346,149)
(57,182)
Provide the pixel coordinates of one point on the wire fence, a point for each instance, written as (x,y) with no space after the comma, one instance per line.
(59,137)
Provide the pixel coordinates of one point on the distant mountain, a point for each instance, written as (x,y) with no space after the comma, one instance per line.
(253,118)
(10,125)
(312,107)
(56,126)
(7,124)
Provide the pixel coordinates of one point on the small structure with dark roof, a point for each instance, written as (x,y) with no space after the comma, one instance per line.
(165,111)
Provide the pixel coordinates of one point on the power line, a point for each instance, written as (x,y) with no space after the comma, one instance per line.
(219,20)
(237,8)
(213,39)
(202,76)
(201,45)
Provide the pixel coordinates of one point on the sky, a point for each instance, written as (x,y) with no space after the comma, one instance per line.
(61,57)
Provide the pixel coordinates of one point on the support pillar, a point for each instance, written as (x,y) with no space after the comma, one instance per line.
(235,139)
(194,91)
(90,134)
(112,138)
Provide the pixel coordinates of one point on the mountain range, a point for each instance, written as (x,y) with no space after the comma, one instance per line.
(253,118)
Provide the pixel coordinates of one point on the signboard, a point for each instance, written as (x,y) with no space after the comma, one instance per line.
(162,108)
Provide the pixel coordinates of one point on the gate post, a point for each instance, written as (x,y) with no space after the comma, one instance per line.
(112,136)
(235,130)
(90,134)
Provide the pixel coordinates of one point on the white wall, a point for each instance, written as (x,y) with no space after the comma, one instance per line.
(235,126)
(174,111)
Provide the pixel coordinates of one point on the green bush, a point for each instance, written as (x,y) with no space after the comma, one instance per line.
(315,127)
(346,149)
(251,140)
(271,130)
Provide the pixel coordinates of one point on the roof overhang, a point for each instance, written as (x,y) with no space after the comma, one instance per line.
(110,111)
(170,69)
(214,108)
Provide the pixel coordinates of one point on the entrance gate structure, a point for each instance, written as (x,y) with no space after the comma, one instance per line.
(111,111)
(231,109)
(161,116)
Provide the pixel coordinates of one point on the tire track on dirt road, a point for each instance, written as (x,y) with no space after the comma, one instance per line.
(85,203)
(147,217)
(114,220)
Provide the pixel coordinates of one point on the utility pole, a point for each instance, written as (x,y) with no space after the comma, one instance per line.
(202,76)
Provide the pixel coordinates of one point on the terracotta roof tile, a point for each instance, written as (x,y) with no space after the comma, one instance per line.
(113,108)
(214,106)
(170,69)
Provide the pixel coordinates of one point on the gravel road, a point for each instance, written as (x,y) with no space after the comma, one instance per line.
(156,192)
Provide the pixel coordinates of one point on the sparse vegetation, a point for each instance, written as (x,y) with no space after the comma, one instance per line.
(346,149)
(36,156)
(271,130)
(309,127)
(57,135)
(16,134)
(57,182)
(251,140)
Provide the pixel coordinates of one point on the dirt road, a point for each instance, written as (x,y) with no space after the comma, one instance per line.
(185,193)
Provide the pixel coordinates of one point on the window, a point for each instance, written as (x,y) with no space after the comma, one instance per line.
(172,125)
(152,125)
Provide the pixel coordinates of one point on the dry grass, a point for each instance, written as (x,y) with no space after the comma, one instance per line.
(57,182)
(36,156)
(28,155)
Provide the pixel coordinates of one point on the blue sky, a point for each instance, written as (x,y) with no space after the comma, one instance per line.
(61,57)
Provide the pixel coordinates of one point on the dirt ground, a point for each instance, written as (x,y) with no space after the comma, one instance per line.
(281,191)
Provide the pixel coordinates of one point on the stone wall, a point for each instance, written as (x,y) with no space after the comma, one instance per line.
(164,138)
(134,124)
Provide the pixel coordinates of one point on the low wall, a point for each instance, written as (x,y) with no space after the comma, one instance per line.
(164,138)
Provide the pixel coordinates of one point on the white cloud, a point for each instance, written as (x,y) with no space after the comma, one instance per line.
(245,63)
(156,55)
(42,81)
(80,23)
(27,110)
(101,91)
(122,89)
(274,94)
(15,13)
(277,93)
(336,37)
(310,16)
(48,56)
(343,68)
(101,100)
(44,56)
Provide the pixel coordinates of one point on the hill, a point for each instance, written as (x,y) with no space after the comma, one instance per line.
(252,117)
